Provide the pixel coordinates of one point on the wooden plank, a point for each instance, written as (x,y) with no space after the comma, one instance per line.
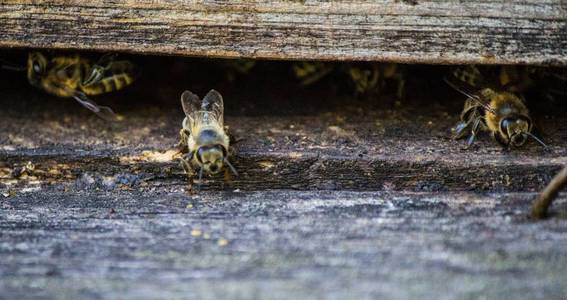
(441,32)
(277,245)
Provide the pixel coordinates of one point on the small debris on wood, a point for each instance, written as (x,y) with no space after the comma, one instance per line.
(26,170)
(222,242)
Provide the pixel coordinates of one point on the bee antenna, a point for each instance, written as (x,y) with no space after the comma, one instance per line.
(11,67)
(230,166)
(538,140)
(200,179)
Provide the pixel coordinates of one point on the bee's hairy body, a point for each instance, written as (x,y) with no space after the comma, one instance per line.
(505,105)
(203,137)
(364,78)
(108,84)
(373,79)
(207,137)
(311,72)
(498,111)
(75,76)
(64,74)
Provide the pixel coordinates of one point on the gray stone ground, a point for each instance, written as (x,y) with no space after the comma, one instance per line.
(279,245)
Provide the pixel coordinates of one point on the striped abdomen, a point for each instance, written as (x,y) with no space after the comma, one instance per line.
(108,84)
(469,75)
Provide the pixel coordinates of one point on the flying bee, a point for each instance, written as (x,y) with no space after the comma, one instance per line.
(502,113)
(203,138)
(75,77)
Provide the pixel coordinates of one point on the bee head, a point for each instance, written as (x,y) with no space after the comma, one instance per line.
(515,130)
(37,64)
(211,158)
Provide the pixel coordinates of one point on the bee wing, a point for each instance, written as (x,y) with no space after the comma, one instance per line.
(468,91)
(103,112)
(214,104)
(208,111)
(65,72)
(191,104)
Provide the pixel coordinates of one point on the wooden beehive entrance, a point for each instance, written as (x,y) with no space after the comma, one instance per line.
(335,192)
(320,136)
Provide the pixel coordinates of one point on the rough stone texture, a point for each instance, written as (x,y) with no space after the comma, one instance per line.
(448,31)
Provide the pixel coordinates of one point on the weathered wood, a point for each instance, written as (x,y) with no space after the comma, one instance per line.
(546,197)
(277,245)
(377,150)
(95,210)
(445,32)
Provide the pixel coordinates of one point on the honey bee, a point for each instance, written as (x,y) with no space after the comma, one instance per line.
(373,77)
(502,113)
(203,137)
(311,72)
(548,83)
(75,77)
(364,78)
(518,79)
(236,67)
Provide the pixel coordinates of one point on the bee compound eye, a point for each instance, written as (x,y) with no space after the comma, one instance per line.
(36,67)
(504,125)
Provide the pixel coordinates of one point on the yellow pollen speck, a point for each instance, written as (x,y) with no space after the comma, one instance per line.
(196,232)
(222,242)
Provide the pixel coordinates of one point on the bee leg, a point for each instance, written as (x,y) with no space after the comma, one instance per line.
(96,73)
(200,179)
(226,180)
(474,132)
(185,164)
(98,69)
(458,132)
(183,136)
(186,167)
(104,112)
(401,85)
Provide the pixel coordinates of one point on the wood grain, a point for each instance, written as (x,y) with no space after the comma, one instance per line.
(440,32)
